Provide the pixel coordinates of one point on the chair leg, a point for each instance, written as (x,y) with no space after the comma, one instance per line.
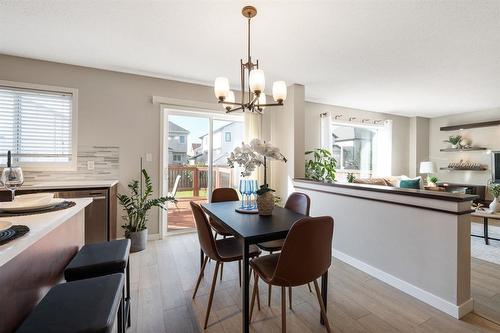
(283,309)
(211,297)
(200,275)
(239,271)
(290,296)
(309,286)
(322,306)
(269,290)
(221,269)
(255,294)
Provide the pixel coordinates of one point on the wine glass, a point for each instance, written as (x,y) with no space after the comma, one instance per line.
(12,178)
(255,189)
(242,191)
(250,193)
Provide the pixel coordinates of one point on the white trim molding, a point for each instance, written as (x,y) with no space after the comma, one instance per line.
(456,311)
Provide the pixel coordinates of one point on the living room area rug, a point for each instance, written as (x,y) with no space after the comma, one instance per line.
(479,249)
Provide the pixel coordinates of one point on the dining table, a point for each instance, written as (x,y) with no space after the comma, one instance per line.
(253,229)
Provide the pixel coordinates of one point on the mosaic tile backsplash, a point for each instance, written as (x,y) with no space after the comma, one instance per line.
(106,166)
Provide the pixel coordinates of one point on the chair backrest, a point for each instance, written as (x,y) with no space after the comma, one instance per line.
(224,194)
(205,236)
(176,185)
(299,203)
(307,251)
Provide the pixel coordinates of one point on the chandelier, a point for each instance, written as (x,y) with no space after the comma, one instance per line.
(253,98)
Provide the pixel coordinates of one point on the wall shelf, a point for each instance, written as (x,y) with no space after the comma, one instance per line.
(463,169)
(472,125)
(463,149)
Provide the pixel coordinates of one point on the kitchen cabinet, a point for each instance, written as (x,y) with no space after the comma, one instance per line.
(100,215)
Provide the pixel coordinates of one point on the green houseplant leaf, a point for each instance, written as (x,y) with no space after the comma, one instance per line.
(322,165)
(137,205)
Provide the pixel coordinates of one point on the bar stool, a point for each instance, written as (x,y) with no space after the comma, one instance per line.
(101,259)
(90,306)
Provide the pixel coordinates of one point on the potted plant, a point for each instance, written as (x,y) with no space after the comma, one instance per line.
(136,207)
(322,166)
(253,155)
(494,189)
(454,140)
(432,180)
(350,177)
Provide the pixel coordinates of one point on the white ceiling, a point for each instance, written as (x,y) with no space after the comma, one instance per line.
(409,57)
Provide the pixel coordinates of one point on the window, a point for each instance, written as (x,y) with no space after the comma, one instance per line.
(354,147)
(182,139)
(177,157)
(227,136)
(38,126)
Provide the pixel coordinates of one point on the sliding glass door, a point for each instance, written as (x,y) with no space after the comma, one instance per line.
(195,150)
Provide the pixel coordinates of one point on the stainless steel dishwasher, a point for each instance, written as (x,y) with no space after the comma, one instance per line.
(96,214)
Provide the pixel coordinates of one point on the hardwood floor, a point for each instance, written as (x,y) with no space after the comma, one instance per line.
(163,278)
(485,284)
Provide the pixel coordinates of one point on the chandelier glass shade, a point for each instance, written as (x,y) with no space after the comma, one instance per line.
(253,83)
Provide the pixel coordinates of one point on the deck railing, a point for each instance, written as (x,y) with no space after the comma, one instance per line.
(195,178)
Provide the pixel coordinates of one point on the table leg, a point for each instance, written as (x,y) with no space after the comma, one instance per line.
(324,294)
(245,295)
(485,225)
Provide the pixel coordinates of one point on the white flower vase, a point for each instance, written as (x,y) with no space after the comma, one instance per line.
(494,206)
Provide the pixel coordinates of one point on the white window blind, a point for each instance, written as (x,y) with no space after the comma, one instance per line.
(37,126)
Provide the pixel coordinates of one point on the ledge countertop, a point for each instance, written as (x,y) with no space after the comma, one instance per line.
(40,225)
(445,196)
(70,184)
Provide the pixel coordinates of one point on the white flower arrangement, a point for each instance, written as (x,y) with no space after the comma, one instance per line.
(250,156)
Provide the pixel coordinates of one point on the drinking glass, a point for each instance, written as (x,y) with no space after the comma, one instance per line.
(250,193)
(12,178)
(242,191)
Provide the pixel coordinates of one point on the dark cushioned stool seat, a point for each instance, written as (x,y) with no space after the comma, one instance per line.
(90,306)
(98,259)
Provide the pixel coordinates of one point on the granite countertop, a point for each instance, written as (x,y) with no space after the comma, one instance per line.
(70,184)
(40,225)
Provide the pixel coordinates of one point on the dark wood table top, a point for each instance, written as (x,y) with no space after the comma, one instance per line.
(252,227)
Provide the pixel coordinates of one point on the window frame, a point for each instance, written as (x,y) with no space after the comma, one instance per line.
(52,166)
(230,137)
(365,126)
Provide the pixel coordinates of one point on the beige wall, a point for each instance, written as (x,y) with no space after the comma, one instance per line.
(419,144)
(115,109)
(488,137)
(400,136)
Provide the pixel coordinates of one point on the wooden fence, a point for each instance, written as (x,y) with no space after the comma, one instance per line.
(195,178)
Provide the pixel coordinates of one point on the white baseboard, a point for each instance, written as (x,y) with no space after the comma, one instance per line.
(456,311)
(154,237)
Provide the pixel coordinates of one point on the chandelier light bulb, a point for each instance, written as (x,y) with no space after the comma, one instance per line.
(261,101)
(221,88)
(257,81)
(230,98)
(279,91)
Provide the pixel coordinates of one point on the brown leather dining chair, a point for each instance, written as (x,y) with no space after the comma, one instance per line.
(298,203)
(305,256)
(220,251)
(221,195)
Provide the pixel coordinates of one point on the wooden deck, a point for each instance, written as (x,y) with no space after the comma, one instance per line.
(180,216)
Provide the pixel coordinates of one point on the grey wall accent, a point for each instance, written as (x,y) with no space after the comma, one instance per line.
(106,166)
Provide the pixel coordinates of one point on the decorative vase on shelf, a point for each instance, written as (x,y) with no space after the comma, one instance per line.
(265,203)
(494,206)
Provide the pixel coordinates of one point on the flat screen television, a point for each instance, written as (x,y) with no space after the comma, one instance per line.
(495,166)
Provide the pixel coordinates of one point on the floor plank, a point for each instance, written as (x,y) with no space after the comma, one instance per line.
(164,275)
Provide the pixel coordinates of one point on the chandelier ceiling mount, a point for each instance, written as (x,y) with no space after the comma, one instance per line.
(253,97)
